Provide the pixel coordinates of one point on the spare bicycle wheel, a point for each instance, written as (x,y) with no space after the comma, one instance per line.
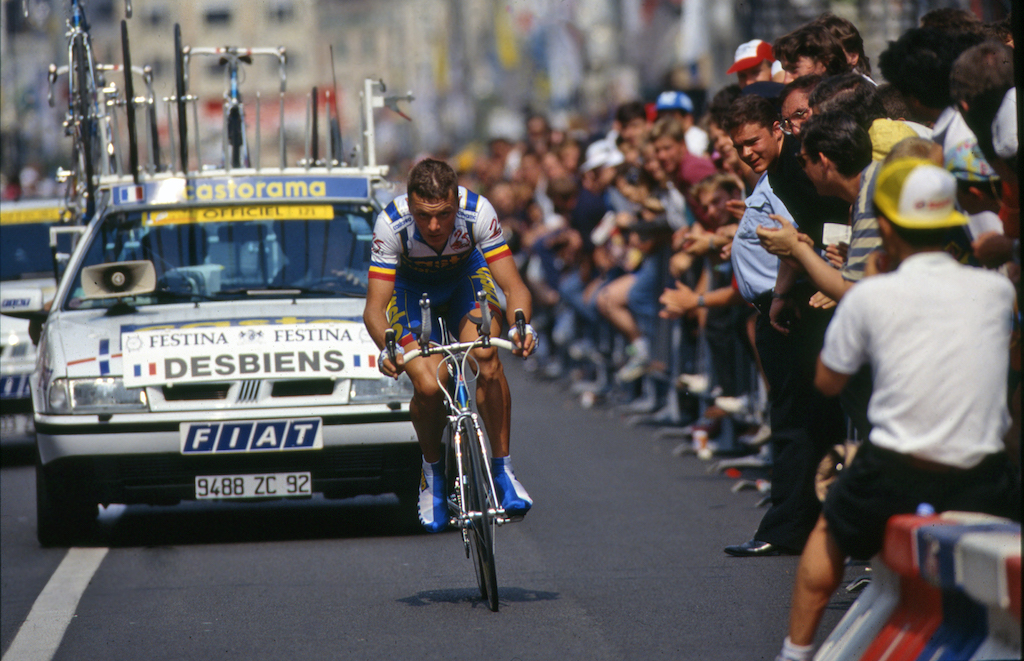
(235,131)
(481,530)
(84,123)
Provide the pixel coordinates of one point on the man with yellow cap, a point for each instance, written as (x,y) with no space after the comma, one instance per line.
(935,334)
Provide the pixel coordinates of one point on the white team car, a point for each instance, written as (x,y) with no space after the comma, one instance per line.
(206,342)
(26,279)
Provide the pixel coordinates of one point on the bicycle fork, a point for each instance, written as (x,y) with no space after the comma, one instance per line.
(463,515)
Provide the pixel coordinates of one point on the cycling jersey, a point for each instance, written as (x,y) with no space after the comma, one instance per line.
(398,247)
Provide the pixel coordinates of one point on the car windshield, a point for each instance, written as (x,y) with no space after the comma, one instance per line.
(25,251)
(234,253)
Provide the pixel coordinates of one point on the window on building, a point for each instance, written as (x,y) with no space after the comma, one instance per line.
(217,16)
(156,17)
(281,12)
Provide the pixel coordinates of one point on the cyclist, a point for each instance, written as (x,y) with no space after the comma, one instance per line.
(444,240)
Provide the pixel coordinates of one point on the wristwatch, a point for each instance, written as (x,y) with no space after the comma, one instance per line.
(700,301)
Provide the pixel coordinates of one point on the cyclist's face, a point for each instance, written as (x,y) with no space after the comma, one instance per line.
(435,219)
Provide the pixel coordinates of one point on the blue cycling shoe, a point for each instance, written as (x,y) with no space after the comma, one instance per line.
(514,499)
(433,503)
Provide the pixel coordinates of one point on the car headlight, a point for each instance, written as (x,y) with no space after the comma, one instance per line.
(102,395)
(383,390)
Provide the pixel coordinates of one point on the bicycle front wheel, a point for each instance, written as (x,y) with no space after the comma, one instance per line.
(480,499)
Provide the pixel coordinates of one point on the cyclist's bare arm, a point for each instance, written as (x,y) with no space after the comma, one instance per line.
(517,297)
(378,295)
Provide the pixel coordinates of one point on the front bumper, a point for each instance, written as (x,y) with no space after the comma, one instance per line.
(138,459)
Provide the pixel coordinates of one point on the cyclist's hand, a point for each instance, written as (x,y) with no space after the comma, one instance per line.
(523,348)
(391,368)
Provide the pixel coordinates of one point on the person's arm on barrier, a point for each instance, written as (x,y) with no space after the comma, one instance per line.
(785,243)
(677,301)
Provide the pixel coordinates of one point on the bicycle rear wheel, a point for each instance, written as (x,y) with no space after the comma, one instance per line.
(481,530)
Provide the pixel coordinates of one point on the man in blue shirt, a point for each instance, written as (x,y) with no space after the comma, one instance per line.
(788,336)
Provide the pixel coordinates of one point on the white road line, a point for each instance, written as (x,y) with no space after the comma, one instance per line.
(41,632)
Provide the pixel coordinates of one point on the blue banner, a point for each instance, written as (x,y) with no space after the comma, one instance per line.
(261,188)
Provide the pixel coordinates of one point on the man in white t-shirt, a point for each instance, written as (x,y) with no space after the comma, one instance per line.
(935,334)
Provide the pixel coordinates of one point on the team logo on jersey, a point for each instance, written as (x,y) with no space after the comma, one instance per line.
(460,239)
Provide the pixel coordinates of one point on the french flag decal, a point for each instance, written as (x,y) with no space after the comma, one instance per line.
(370,360)
(131,194)
(152,369)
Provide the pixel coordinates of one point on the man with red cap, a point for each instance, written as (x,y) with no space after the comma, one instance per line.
(753,62)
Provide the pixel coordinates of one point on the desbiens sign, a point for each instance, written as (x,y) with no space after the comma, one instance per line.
(194,355)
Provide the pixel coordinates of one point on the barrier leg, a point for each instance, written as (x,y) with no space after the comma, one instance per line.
(865,618)
(912,624)
(1003,640)
(963,628)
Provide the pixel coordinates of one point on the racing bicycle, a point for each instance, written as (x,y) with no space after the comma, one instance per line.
(236,146)
(87,120)
(473,505)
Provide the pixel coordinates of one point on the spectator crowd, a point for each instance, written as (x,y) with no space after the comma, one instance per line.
(761,275)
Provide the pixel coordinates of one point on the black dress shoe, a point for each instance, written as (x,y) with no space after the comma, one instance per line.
(756,548)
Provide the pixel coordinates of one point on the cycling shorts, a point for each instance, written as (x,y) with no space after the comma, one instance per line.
(451,300)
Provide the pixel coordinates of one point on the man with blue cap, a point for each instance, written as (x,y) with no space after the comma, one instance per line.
(672,103)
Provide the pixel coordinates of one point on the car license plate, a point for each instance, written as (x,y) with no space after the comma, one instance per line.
(266,485)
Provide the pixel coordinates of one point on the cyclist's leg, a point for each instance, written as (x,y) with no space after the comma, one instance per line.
(427,405)
(426,409)
(492,394)
(494,400)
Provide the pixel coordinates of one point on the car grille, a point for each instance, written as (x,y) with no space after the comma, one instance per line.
(196,391)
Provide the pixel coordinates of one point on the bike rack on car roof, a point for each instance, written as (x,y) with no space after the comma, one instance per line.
(363,158)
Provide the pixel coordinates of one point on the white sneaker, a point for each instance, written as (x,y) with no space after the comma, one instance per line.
(694,383)
(636,366)
(734,405)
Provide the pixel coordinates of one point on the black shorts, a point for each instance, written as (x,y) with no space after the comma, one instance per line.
(880,483)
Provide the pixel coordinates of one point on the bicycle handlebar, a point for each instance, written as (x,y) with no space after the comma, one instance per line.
(460,346)
(238,53)
(235,50)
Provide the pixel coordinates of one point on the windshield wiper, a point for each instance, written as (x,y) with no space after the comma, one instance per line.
(290,291)
(181,295)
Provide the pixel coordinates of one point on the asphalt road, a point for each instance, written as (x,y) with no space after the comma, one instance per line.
(621,558)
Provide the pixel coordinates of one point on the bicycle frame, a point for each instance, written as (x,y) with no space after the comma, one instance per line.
(234,142)
(149,101)
(460,404)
